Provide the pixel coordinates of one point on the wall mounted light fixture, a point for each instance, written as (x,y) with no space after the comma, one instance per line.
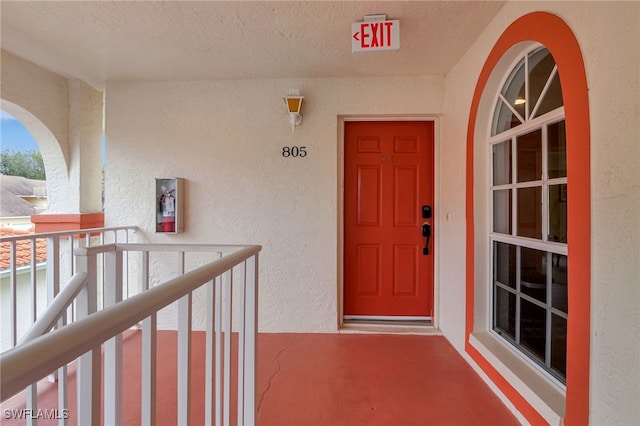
(294,106)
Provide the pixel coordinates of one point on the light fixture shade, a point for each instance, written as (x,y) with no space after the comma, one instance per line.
(294,106)
(294,103)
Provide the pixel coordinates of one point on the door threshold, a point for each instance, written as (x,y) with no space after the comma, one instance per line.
(374,325)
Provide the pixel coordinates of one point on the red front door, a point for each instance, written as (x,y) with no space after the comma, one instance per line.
(388,170)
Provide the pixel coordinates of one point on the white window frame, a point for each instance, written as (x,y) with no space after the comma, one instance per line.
(527,126)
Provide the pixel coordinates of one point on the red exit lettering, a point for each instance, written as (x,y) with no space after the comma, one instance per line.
(375,34)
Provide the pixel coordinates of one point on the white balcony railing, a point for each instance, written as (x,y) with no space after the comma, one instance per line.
(27,289)
(98,333)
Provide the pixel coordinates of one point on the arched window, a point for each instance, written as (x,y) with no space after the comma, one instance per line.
(528,265)
(528,235)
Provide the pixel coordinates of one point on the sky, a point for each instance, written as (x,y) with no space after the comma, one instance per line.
(13,135)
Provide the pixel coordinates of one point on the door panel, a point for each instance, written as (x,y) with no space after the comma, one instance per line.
(388,178)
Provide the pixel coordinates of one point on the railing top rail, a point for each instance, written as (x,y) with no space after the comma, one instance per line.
(25,364)
(180,247)
(66,233)
(141,247)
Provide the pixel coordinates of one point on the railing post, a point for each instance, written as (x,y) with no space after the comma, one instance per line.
(218,347)
(241,315)
(88,371)
(53,288)
(13,295)
(250,339)
(113,346)
(184,352)
(53,268)
(209,351)
(34,281)
(227,278)
(148,385)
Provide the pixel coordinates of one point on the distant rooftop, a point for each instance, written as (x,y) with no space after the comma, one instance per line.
(23,249)
(14,192)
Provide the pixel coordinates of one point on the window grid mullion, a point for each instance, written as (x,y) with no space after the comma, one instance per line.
(526,87)
(518,309)
(514,176)
(547,347)
(545,186)
(550,246)
(511,108)
(553,73)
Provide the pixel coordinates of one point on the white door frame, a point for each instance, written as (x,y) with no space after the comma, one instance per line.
(436,210)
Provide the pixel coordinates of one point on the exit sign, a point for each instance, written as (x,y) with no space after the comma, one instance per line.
(375,33)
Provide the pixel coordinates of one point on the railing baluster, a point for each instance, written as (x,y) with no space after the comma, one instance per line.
(32,404)
(13,297)
(70,316)
(34,281)
(209,351)
(241,287)
(32,390)
(218,328)
(63,387)
(88,370)
(227,279)
(63,394)
(251,339)
(113,346)
(53,268)
(148,385)
(149,350)
(61,375)
(53,275)
(184,352)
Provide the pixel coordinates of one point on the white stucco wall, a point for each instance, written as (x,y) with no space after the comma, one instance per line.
(226,138)
(609,37)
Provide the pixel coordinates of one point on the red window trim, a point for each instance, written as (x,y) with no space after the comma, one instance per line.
(553,33)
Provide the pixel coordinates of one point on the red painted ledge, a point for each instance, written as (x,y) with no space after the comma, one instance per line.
(67,222)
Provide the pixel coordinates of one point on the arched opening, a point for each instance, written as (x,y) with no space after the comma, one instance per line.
(54,160)
(23,185)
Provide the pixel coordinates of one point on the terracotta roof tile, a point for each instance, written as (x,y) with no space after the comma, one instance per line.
(23,249)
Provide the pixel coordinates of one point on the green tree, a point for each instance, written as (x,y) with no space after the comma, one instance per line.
(28,164)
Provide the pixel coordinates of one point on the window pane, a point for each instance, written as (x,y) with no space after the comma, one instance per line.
(559,282)
(504,119)
(558,213)
(529,151)
(533,273)
(502,163)
(559,345)
(557,150)
(530,212)
(533,328)
(505,264)
(514,89)
(505,309)
(502,211)
(541,64)
(552,99)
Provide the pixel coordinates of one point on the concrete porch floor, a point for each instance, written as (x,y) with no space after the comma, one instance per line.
(321,379)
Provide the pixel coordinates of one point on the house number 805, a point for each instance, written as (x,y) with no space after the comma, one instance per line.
(294,151)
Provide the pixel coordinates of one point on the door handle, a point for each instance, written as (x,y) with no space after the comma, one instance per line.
(426,233)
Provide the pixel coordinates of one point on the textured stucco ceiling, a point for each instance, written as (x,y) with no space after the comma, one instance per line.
(98,41)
